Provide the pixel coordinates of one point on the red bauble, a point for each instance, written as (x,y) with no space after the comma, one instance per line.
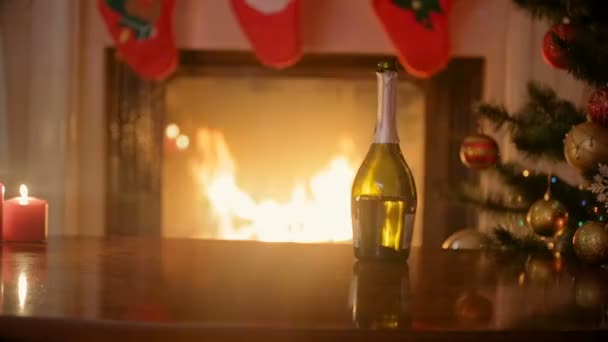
(479,151)
(553,54)
(473,308)
(598,106)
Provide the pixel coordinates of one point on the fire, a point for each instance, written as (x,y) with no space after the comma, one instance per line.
(316,212)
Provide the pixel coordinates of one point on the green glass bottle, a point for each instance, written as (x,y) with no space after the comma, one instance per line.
(379,295)
(383,199)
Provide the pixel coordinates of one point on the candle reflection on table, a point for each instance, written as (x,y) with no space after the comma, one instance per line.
(297,287)
(22,279)
(22,290)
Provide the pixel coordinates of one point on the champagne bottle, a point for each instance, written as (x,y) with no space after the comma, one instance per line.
(383,199)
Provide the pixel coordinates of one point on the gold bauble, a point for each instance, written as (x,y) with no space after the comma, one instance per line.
(591,243)
(586,145)
(466,239)
(541,269)
(588,290)
(548,217)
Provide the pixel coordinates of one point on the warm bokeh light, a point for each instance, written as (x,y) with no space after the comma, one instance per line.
(22,290)
(172,131)
(318,211)
(182,142)
(23,192)
(526,173)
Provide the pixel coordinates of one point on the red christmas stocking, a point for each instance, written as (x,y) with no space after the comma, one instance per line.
(273,29)
(143,33)
(419,31)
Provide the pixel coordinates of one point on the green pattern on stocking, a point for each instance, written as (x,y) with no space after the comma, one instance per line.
(422,9)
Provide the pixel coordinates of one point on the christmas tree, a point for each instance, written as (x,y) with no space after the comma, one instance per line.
(547,130)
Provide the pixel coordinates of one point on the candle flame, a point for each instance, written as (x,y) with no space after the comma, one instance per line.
(23,190)
(24,194)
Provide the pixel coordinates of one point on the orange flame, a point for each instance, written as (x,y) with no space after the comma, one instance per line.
(317,212)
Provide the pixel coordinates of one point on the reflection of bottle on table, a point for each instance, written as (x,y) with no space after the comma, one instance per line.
(379,296)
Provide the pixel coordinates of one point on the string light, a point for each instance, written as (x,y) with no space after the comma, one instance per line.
(526,173)
(182,142)
(558,262)
(172,131)
(580,223)
(522,278)
(553,180)
(583,203)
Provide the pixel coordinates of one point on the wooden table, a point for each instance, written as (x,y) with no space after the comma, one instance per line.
(158,290)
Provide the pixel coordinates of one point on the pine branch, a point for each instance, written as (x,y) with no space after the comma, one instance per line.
(587,54)
(541,99)
(489,204)
(539,128)
(554,10)
(504,239)
(530,188)
(588,13)
(587,51)
(545,120)
(498,115)
(580,202)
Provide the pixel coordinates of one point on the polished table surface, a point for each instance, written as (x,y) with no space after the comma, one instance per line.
(154,290)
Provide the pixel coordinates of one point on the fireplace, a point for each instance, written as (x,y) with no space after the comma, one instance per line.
(228,149)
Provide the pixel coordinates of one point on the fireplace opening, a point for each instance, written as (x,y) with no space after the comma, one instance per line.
(272,158)
(227,149)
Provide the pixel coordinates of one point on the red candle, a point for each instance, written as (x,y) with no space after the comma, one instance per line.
(1,205)
(24,218)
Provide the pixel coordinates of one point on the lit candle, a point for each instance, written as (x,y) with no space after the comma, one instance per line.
(1,205)
(24,218)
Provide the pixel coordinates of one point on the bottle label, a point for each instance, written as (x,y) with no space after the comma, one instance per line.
(356,236)
(382,222)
